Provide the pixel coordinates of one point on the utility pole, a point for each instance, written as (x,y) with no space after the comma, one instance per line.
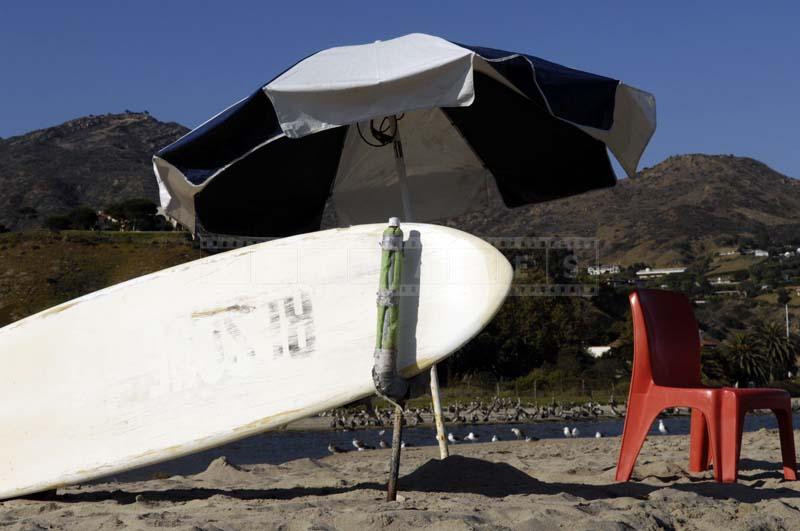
(786,308)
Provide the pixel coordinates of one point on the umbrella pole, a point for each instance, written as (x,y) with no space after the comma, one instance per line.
(400,168)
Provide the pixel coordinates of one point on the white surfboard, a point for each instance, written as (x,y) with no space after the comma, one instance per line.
(225,347)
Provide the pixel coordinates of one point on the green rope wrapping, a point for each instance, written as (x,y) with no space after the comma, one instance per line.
(384,373)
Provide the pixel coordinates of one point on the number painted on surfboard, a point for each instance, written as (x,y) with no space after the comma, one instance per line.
(293,326)
(242,338)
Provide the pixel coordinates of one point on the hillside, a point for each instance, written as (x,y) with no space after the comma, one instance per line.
(681,208)
(40,269)
(92,161)
(669,214)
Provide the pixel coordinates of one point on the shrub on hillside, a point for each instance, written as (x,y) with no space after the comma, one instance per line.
(57,223)
(82,218)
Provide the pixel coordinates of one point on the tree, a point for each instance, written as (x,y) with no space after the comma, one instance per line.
(745,358)
(713,365)
(136,214)
(57,223)
(776,347)
(27,212)
(783,296)
(82,218)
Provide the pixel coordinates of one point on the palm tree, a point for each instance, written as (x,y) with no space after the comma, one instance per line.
(776,347)
(745,356)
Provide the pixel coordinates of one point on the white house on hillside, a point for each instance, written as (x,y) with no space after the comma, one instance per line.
(656,272)
(597,352)
(603,270)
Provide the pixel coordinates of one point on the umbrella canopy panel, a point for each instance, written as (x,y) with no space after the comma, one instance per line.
(267,165)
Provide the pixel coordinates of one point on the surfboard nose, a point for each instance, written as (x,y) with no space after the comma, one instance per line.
(453,284)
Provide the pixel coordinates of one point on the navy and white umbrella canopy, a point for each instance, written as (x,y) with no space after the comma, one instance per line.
(416,118)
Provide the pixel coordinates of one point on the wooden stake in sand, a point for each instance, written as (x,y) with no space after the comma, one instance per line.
(437,414)
(397,441)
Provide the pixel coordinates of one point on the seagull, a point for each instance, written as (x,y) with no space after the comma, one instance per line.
(335,449)
(360,446)
(453,438)
(472,437)
(567,433)
(575,432)
(495,438)
(597,435)
(529,438)
(661,428)
(518,433)
(404,444)
(382,443)
(381,432)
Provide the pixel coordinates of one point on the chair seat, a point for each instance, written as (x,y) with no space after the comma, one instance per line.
(761,392)
(750,399)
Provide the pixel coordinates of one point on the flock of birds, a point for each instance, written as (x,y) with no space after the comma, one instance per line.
(471,437)
(498,410)
(361,445)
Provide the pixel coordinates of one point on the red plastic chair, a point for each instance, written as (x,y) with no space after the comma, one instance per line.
(666,373)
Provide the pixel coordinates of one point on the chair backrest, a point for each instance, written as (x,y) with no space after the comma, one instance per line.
(666,340)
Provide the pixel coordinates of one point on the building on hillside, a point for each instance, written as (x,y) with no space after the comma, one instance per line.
(730,293)
(760,253)
(659,272)
(603,270)
(728,252)
(598,352)
(723,281)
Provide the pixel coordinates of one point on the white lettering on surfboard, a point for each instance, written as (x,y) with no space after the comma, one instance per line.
(242,337)
(293,325)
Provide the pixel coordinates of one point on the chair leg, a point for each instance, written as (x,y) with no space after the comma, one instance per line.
(715,436)
(638,420)
(731,442)
(787,443)
(698,444)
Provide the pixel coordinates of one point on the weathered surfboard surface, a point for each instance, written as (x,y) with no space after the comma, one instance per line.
(225,347)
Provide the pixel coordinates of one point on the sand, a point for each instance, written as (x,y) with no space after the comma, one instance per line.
(547,484)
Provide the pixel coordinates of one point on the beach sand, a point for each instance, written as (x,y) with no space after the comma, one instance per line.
(547,484)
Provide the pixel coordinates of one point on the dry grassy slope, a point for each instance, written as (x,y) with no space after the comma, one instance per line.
(681,208)
(93,160)
(39,269)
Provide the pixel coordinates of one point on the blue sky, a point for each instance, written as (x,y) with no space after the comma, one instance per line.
(726,74)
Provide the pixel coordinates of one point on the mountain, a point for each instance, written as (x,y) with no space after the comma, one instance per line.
(92,161)
(669,214)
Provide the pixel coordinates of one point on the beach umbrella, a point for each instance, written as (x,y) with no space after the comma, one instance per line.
(414,126)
